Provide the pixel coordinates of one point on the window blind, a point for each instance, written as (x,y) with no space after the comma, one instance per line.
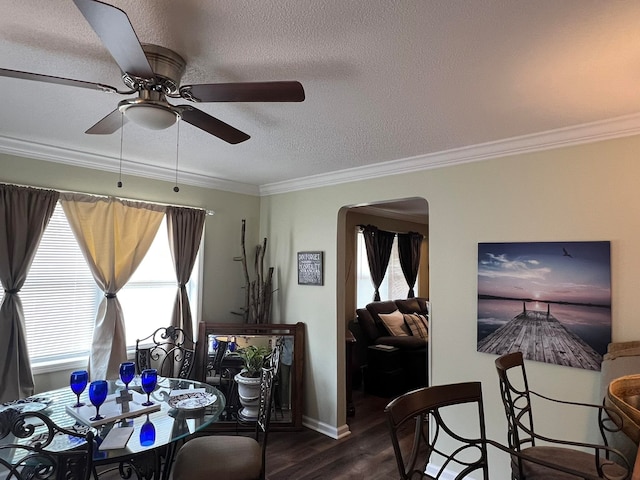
(60,297)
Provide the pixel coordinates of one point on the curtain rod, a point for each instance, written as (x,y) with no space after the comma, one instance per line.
(209,213)
(385,230)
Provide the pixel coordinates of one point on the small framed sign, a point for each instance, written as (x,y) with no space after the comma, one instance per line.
(310,268)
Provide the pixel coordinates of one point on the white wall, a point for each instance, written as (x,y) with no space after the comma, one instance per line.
(582,193)
(223,279)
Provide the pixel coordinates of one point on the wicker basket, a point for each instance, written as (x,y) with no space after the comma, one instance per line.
(623,396)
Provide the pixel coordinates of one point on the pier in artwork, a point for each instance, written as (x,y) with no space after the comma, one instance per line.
(541,337)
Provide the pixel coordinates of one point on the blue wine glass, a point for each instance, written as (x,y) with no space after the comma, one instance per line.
(98,390)
(78,383)
(127,372)
(147,433)
(148,380)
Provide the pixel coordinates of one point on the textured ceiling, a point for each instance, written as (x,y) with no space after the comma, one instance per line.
(384,80)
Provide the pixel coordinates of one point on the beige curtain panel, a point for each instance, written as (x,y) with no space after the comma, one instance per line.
(184,227)
(24,213)
(114,236)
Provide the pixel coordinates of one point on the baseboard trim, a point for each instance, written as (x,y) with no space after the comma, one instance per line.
(326,429)
(446,474)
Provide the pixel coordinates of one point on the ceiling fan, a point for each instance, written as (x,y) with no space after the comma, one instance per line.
(154,73)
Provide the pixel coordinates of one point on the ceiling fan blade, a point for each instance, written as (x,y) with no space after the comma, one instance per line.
(212,125)
(244,92)
(58,80)
(114,29)
(109,124)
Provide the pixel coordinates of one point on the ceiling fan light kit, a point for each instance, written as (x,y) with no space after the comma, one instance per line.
(149,113)
(154,73)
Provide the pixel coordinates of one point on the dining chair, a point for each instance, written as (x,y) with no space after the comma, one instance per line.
(169,350)
(465,452)
(274,363)
(581,459)
(30,448)
(214,370)
(229,457)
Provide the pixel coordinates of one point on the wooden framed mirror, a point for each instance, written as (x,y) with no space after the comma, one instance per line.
(217,363)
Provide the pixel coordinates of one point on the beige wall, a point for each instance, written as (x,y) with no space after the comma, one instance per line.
(582,193)
(223,280)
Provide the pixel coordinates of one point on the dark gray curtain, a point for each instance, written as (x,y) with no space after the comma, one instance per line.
(184,226)
(24,214)
(409,253)
(378,244)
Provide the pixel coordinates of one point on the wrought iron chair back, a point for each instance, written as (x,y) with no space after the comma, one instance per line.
(463,453)
(30,450)
(264,412)
(585,460)
(274,359)
(169,350)
(516,401)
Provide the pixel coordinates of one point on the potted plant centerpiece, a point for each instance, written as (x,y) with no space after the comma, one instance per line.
(248,380)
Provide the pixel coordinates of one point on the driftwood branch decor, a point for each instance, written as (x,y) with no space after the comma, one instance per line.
(258,292)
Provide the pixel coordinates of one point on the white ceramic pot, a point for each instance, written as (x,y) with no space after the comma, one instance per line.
(249,394)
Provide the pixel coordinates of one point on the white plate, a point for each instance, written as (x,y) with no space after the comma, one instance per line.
(26,407)
(192,401)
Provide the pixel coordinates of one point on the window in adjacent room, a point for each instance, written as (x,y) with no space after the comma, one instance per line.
(60,297)
(394,284)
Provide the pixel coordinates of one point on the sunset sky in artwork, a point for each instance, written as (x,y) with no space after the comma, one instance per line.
(575,272)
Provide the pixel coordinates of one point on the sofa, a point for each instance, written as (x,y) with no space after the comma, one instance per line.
(391,355)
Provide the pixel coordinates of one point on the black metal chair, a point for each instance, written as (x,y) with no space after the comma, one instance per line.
(30,448)
(466,454)
(220,369)
(274,363)
(169,350)
(582,460)
(229,456)
(214,373)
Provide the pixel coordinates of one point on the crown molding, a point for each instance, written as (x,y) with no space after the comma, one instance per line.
(618,127)
(77,158)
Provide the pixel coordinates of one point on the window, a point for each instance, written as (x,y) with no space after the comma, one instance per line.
(60,297)
(393,286)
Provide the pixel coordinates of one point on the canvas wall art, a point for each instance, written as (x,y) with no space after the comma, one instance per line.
(550,300)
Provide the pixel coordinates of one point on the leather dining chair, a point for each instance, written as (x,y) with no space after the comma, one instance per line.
(36,454)
(582,460)
(229,457)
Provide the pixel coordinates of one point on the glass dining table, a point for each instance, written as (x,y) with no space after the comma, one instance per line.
(156,435)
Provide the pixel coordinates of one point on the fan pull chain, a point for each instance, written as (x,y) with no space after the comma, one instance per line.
(121,136)
(176,188)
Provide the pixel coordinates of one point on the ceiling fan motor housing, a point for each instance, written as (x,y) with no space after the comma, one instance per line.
(167,66)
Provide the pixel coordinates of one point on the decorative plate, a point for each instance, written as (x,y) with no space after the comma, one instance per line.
(25,406)
(192,401)
(36,399)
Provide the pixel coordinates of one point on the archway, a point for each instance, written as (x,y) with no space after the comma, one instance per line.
(396,215)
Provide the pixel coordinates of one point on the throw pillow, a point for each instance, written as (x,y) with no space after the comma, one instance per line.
(418,324)
(394,322)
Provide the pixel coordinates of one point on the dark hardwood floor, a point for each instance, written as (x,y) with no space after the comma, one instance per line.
(365,453)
